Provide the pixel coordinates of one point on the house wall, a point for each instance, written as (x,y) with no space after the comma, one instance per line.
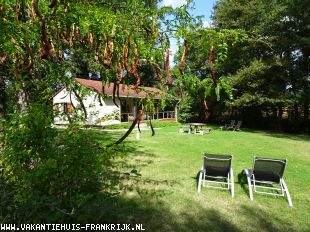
(96,114)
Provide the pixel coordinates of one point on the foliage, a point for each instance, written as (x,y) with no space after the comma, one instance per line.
(206,82)
(112,116)
(43,46)
(280,82)
(186,110)
(55,172)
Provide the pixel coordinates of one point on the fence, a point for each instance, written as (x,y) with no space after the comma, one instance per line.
(126,117)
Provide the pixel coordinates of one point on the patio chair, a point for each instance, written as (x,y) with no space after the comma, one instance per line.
(229,126)
(216,171)
(236,127)
(267,172)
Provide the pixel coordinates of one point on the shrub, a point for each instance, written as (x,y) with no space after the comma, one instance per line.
(53,172)
(186,111)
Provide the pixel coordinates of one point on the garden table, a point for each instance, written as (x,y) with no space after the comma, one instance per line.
(196,127)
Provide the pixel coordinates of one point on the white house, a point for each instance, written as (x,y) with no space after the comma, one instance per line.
(102,111)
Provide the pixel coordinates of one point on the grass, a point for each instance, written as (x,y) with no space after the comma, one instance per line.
(161,192)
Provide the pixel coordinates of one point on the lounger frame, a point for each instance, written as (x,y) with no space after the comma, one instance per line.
(255,184)
(228,182)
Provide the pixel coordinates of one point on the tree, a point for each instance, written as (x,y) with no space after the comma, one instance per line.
(42,44)
(281,29)
(206,81)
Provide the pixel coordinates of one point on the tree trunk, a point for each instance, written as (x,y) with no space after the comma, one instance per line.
(279,121)
(306,117)
(296,112)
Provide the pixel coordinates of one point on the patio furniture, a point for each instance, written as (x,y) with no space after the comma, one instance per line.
(229,126)
(267,172)
(195,127)
(216,171)
(203,131)
(236,127)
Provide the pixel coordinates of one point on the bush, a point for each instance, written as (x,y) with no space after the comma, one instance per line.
(53,172)
(186,111)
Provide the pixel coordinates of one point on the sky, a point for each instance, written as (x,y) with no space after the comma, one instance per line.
(202,8)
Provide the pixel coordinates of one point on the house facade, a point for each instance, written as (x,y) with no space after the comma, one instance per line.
(102,111)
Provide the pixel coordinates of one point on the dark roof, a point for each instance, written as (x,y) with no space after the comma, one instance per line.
(124,90)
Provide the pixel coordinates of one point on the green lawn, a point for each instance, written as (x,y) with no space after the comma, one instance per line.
(162,194)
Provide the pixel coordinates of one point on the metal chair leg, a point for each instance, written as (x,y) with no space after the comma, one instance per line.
(200,181)
(287,193)
(232,183)
(247,173)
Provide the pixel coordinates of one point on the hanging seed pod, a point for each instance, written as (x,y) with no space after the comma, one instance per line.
(158,73)
(167,68)
(30,13)
(126,54)
(60,55)
(108,52)
(135,72)
(71,43)
(45,44)
(43,53)
(71,36)
(17,11)
(90,40)
(211,66)
(120,74)
(78,34)
(182,62)
(97,50)
(3,58)
(64,38)
(52,52)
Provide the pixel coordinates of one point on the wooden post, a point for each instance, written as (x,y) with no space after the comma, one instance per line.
(157,112)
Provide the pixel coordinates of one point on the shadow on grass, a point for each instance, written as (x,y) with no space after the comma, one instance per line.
(302,137)
(154,215)
(146,205)
(144,202)
(243,182)
(263,220)
(128,197)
